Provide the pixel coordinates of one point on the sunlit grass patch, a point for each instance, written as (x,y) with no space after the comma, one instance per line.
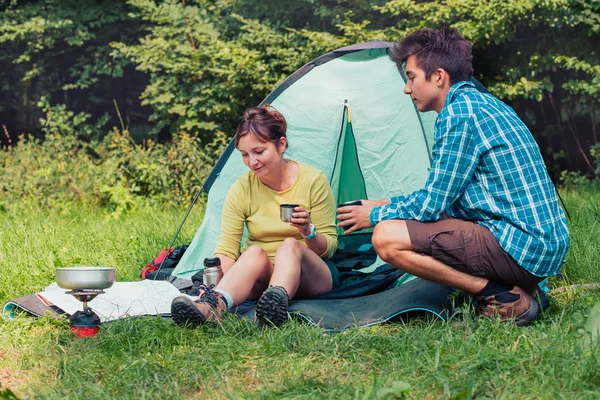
(150,357)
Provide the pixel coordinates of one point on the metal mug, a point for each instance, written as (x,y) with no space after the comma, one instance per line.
(349,203)
(286,211)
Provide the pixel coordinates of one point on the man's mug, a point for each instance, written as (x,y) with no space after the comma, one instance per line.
(350,203)
(286,211)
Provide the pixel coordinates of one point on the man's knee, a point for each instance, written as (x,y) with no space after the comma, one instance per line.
(390,236)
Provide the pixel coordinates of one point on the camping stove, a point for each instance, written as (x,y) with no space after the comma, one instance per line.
(85,283)
(85,323)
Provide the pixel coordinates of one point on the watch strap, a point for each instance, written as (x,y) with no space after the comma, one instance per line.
(312,234)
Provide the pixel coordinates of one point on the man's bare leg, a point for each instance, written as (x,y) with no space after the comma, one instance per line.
(392,243)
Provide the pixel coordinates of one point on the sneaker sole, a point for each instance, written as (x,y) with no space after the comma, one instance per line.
(271,309)
(184,313)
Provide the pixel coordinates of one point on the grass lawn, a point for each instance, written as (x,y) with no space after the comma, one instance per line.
(152,358)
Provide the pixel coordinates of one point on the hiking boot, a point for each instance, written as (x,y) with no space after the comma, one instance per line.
(514,304)
(208,307)
(272,307)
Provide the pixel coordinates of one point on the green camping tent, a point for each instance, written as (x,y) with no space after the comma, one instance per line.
(348,116)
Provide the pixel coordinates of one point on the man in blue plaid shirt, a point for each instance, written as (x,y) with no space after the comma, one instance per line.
(488,220)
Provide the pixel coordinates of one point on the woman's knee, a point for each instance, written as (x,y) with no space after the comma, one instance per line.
(257,257)
(290,245)
(255,251)
(288,254)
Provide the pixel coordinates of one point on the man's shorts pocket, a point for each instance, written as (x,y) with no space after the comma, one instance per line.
(458,249)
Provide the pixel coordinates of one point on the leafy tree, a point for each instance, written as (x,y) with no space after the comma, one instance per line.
(541,56)
(194,65)
(58,52)
(207,64)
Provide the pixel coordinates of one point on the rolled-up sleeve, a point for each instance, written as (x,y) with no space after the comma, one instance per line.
(453,165)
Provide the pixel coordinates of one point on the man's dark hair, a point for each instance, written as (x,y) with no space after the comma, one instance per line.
(442,48)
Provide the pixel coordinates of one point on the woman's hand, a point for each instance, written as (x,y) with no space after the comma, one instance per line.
(301,220)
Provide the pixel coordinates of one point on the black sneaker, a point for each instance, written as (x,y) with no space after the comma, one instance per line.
(272,307)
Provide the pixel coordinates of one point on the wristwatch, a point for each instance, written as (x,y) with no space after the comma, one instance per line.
(312,234)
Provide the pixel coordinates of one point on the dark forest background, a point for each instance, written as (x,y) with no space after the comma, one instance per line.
(111,101)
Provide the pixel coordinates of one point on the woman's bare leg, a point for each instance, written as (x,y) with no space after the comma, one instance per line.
(248,277)
(300,271)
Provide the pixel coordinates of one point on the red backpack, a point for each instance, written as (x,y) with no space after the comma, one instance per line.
(169,259)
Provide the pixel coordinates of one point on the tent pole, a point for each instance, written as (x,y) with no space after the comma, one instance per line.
(177,233)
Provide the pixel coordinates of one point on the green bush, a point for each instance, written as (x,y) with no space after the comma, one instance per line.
(573,180)
(595,152)
(165,173)
(114,171)
(194,66)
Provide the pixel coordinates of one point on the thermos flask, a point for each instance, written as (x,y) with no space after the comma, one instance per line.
(212,271)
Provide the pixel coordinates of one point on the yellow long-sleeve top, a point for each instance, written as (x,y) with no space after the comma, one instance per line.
(249,201)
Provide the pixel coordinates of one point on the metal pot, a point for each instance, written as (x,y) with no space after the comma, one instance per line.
(79,278)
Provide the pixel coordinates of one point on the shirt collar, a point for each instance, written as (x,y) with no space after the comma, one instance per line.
(454,88)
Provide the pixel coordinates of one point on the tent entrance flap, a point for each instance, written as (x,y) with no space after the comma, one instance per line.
(347,180)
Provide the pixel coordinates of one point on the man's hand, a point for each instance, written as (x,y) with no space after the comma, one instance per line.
(355,218)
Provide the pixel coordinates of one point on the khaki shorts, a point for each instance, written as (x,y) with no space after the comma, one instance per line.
(469,248)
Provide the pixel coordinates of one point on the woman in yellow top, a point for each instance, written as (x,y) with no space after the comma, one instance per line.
(278,260)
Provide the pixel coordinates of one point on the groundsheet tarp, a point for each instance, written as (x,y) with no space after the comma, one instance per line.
(130,299)
(122,300)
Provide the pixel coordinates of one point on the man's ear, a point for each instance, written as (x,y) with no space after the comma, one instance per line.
(442,78)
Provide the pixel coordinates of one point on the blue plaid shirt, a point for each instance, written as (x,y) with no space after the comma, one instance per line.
(487,168)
